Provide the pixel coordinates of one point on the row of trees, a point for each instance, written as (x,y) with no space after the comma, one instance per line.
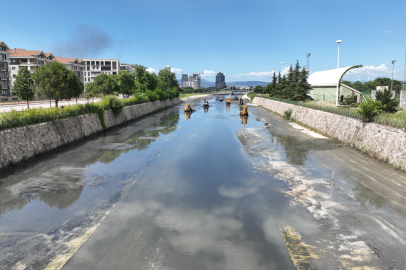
(126,83)
(294,86)
(56,82)
(371,85)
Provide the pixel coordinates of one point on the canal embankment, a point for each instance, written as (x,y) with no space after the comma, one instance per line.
(379,141)
(22,143)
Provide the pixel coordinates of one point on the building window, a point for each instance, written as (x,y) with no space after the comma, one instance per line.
(13,68)
(14,75)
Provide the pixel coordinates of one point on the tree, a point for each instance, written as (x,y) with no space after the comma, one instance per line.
(126,82)
(258,89)
(272,86)
(349,100)
(75,85)
(24,85)
(302,87)
(169,79)
(142,78)
(388,104)
(153,81)
(53,81)
(106,84)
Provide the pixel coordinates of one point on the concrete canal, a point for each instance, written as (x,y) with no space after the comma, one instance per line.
(207,190)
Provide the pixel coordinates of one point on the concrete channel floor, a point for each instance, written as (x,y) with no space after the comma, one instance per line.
(204,191)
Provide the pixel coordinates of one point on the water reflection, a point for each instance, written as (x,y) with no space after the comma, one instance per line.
(187,115)
(244,120)
(60,186)
(367,197)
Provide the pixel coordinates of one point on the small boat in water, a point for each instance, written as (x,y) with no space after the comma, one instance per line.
(221,99)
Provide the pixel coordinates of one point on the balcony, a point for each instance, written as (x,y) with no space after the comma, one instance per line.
(24,63)
(4,76)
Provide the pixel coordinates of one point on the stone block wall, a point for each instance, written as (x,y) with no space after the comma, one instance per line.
(21,143)
(384,142)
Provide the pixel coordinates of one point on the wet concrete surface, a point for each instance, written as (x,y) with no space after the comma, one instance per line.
(205,190)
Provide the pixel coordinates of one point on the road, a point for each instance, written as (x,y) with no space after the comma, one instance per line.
(204,192)
(20,107)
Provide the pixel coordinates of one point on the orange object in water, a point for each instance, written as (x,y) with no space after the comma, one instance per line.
(228,101)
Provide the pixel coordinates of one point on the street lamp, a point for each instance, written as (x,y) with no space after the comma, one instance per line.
(368,76)
(393,64)
(338,73)
(282,67)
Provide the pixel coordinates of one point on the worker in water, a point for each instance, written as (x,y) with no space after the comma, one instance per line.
(241,101)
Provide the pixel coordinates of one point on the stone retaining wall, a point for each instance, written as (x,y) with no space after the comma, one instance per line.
(383,142)
(21,143)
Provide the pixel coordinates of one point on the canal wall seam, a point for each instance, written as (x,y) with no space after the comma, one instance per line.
(382,142)
(21,143)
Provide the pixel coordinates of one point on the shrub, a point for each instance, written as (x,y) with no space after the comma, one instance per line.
(369,109)
(161,94)
(113,103)
(173,93)
(287,114)
(152,96)
(349,100)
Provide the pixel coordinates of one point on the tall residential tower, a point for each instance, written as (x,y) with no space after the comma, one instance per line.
(220,80)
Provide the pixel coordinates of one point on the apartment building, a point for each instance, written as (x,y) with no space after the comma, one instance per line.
(128,67)
(29,59)
(95,67)
(75,64)
(220,80)
(5,78)
(193,81)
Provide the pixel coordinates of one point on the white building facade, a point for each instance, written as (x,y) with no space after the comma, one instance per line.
(95,67)
(5,77)
(29,59)
(128,67)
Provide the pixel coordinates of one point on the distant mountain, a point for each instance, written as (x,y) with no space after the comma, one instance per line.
(247,83)
(206,83)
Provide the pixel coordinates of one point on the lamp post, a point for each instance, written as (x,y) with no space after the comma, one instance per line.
(368,76)
(338,73)
(393,64)
(282,67)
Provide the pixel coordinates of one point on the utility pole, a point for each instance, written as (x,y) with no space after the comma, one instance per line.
(307,61)
(282,67)
(338,64)
(404,75)
(393,64)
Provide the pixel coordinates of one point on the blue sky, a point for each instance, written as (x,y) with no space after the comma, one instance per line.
(246,40)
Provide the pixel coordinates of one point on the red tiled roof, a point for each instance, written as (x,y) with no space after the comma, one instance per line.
(22,52)
(64,60)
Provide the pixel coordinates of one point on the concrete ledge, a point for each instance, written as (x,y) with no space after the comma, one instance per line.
(21,143)
(382,142)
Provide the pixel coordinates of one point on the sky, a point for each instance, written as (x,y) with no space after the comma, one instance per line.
(245,39)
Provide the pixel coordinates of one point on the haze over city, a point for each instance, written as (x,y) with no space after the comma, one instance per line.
(243,39)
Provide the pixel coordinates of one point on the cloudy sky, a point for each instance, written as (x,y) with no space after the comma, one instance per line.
(245,39)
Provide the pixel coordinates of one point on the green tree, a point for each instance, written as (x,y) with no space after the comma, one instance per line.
(142,78)
(388,104)
(53,81)
(75,85)
(106,84)
(272,86)
(302,87)
(153,81)
(24,85)
(278,88)
(126,82)
(349,100)
(168,78)
(258,89)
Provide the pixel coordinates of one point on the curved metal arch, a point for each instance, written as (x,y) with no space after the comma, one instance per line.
(339,82)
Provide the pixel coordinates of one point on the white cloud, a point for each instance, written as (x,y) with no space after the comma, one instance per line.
(152,70)
(374,72)
(208,73)
(387,31)
(176,70)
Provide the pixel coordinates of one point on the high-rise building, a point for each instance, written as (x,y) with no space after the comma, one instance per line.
(220,80)
(167,68)
(5,78)
(184,80)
